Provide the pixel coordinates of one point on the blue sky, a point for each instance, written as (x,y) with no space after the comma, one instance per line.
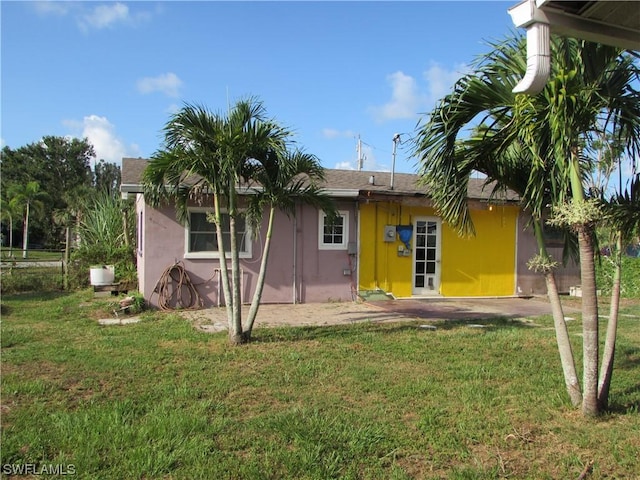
(115,71)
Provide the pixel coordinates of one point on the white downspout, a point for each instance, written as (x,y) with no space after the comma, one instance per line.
(527,14)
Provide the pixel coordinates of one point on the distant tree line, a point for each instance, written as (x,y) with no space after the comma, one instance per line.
(47,184)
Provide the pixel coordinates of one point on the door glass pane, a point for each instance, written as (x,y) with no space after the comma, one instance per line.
(419,281)
(431,254)
(420,254)
(431,267)
(420,267)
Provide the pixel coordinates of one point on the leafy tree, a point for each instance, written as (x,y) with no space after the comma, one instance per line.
(59,165)
(29,197)
(538,139)
(204,151)
(106,177)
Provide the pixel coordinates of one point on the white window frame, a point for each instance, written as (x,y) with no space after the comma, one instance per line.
(345,232)
(214,253)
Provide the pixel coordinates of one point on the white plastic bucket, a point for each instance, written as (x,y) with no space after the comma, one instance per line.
(102,275)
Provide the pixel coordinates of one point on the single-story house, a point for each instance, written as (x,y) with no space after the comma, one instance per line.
(387,238)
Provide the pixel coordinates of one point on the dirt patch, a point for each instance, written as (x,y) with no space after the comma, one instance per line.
(340,313)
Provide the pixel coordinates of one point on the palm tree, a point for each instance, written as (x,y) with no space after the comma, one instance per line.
(532,145)
(29,197)
(10,210)
(284,180)
(622,215)
(207,153)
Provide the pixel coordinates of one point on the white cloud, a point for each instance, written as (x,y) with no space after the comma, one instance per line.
(440,80)
(332,133)
(409,99)
(49,7)
(405,99)
(102,135)
(167,83)
(104,16)
(173,109)
(345,166)
(94,16)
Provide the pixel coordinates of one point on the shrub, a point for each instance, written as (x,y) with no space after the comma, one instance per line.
(630,280)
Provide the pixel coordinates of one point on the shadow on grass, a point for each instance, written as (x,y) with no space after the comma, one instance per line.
(22,297)
(307,333)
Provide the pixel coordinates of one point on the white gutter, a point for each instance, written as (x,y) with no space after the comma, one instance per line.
(527,15)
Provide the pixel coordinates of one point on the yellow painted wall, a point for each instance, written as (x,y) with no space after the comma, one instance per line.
(483,265)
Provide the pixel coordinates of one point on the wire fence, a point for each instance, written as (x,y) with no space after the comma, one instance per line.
(34,271)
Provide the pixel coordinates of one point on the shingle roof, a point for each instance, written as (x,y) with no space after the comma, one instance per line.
(346,182)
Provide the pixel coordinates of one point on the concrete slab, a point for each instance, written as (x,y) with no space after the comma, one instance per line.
(119,321)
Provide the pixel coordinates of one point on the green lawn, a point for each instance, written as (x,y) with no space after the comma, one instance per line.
(159,399)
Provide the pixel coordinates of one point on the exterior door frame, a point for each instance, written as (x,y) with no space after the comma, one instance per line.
(426,258)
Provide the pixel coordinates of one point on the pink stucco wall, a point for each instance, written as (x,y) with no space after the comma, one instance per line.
(319,274)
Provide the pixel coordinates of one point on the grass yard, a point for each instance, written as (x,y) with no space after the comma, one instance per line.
(159,399)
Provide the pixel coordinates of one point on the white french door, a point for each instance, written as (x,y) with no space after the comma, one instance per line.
(426,256)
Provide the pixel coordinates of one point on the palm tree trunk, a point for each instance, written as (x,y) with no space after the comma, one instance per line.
(67,249)
(25,233)
(589,296)
(562,335)
(257,296)
(606,369)
(235,335)
(589,322)
(11,236)
(224,273)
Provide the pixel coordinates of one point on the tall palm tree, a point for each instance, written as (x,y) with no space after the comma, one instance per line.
(622,214)
(208,153)
(284,180)
(532,145)
(10,211)
(30,198)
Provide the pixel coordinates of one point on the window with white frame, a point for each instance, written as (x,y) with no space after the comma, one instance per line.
(333,232)
(201,240)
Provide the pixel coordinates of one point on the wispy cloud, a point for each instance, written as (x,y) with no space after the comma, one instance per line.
(90,16)
(104,16)
(409,98)
(345,166)
(102,135)
(167,83)
(332,133)
(50,7)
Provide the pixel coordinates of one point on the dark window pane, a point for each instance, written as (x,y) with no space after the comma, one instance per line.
(420,254)
(431,241)
(431,254)
(431,267)
(419,281)
(420,267)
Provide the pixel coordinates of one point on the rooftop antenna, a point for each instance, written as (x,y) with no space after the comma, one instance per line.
(396,139)
(359,149)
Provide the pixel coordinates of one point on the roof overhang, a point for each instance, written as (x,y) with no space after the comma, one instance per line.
(615,23)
